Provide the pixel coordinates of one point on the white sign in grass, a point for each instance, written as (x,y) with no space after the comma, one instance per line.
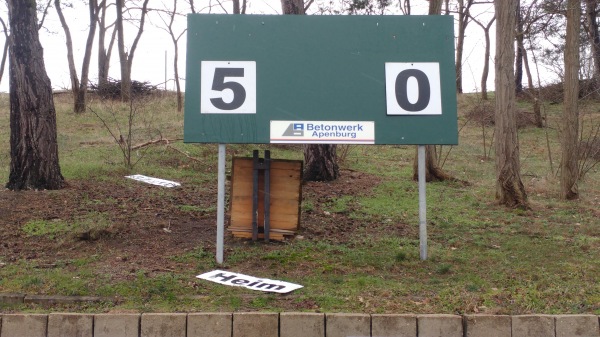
(154,181)
(250,282)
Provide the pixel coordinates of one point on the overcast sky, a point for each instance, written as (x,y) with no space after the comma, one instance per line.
(150,63)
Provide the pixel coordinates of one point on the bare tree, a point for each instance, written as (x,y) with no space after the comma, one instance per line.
(44,10)
(79,88)
(520,51)
(292,7)
(486,57)
(33,137)
(405,6)
(533,20)
(509,187)
(5,49)
(104,54)
(570,122)
(126,58)
(463,21)
(175,39)
(591,27)
(237,7)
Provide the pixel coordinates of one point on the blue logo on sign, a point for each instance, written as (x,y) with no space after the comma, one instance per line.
(294,130)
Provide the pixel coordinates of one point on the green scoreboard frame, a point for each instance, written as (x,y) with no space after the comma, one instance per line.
(261,79)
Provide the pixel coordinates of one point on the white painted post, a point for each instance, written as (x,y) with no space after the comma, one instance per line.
(422,204)
(221,203)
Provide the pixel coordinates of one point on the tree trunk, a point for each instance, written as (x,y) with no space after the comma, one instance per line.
(81,99)
(292,6)
(569,172)
(5,49)
(175,40)
(520,49)
(126,59)
(125,71)
(103,53)
(136,40)
(537,111)
(486,57)
(320,163)
(78,88)
(33,140)
(432,171)
(435,7)
(594,36)
(463,21)
(509,187)
(70,58)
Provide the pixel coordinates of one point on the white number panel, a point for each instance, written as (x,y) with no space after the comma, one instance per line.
(413,88)
(228,87)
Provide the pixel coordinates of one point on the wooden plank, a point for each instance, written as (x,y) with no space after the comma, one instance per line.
(278,173)
(283,206)
(274,217)
(279,190)
(249,230)
(283,164)
(244,219)
(273,236)
(285,197)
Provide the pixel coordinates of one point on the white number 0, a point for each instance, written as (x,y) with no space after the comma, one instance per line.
(413,88)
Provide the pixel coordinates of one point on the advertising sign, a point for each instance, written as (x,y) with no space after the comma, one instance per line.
(320,79)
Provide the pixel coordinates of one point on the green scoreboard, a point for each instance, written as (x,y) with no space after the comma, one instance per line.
(305,79)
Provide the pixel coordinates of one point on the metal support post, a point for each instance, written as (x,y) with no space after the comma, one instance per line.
(422,204)
(221,203)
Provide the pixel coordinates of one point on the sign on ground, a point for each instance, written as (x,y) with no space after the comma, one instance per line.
(250,282)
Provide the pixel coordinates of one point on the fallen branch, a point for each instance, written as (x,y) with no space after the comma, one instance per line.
(185,154)
(157,141)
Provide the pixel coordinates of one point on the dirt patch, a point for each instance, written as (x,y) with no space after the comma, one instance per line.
(147,225)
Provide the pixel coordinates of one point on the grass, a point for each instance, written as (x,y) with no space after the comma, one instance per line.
(92,224)
(483,257)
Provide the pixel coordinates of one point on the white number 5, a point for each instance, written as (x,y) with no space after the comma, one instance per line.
(228,87)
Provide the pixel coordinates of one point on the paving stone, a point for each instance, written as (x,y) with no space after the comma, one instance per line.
(533,326)
(24,325)
(394,325)
(301,324)
(116,325)
(255,324)
(11,298)
(215,324)
(163,325)
(346,325)
(487,325)
(440,326)
(577,326)
(70,325)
